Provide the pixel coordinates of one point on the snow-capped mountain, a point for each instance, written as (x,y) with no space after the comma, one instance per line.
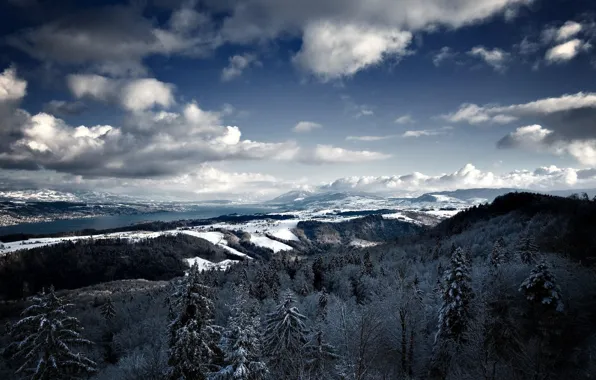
(43,195)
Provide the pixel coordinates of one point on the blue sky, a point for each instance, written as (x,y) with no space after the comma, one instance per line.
(247,99)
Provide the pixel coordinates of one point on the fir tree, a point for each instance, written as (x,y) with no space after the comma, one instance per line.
(285,336)
(241,343)
(527,249)
(456,293)
(540,288)
(498,256)
(192,333)
(107,309)
(44,337)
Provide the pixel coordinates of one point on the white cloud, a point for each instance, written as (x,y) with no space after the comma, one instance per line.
(566,51)
(370,138)
(264,19)
(426,132)
(306,126)
(405,119)
(474,114)
(11,87)
(535,137)
(334,155)
(333,50)
(237,64)
(131,94)
(496,58)
(465,178)
(445,54)
(568,30)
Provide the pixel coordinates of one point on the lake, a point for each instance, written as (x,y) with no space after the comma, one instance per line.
(115,221)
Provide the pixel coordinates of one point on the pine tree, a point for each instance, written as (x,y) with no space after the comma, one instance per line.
(285,336)
(498,256)
(241,343)
(192,333)
(527,248)
(454,315)
(107,309)
(44,337)
(540,288)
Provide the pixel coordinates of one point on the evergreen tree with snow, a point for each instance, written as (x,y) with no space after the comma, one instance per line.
(527,248)
(193,336)
(241,343)
(44,341)
(456,294)
(285,337)
(108,310)
(540,288)
(498,256)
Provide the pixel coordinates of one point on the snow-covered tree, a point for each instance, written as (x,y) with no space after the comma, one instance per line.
(498,255)
(44,340)
(108,310)
(193,336)
(540,288)
(454,315)
(285,337)
(527,248)
(241,343)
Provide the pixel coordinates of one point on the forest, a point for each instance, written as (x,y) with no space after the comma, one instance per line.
(504,290)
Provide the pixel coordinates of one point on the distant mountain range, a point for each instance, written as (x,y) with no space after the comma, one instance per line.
(295,198)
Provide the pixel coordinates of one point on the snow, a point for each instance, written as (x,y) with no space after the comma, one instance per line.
(206,264)
(234,252)
(362,243)
(400,216)
(274,245)
(214,237)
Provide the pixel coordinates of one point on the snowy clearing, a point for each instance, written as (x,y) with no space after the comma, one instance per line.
(274,245)
(206,264)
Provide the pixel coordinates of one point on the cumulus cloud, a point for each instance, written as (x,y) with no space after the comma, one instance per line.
(566,51)
(496,58)
(535,137)
(131,94)
(562,125)
(11,87)
(116,39)
(260,19)
(329,154)
(405,119)
(469,176)
(237,64)
(333,50)
(149,143)
(306,126)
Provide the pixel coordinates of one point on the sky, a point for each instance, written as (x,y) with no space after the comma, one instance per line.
(230,99)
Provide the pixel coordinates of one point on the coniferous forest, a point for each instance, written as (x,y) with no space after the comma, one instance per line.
(505,290)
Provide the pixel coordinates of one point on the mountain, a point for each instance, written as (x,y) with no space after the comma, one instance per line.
(291,196)
(43,195)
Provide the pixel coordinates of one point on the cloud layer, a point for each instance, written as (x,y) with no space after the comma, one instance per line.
(563,125)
